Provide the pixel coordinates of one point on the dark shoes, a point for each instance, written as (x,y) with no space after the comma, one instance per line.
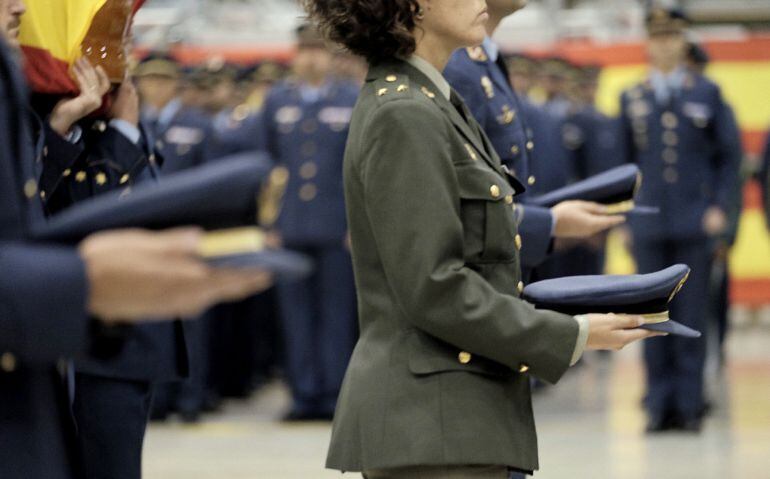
(658,423)
(308,416)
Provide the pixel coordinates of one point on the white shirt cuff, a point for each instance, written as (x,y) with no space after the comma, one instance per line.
(582,339)
(126,129)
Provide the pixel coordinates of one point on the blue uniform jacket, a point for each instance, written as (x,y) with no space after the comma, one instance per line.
(43,294)
(591,140)
(485,88)
(689,153)
(184,140)
(308,138)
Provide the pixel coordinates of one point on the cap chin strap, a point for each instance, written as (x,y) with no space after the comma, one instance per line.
(619,208)
(651,318)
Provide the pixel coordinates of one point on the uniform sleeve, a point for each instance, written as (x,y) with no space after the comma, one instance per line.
(728,156)
(413,205)
(536,229)
(43,295)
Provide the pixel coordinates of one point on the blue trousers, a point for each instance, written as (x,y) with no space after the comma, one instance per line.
(319,323)
(111,419)
(675,364)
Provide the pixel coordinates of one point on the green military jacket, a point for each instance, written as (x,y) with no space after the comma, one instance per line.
(440,374)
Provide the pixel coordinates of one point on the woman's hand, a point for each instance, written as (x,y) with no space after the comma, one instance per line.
(614,332)
(93,84)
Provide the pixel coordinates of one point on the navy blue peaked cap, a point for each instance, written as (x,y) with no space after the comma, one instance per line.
(647,295)
(218,196)
(614,188)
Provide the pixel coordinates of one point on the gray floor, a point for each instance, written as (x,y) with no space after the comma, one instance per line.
(590,426)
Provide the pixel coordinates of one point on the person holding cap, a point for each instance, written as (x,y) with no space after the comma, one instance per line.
(439,382)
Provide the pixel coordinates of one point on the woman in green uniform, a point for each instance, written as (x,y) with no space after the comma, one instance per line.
(438,385)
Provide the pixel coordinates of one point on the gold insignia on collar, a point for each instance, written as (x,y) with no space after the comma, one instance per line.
(486,84)
(428,93)
(477,54)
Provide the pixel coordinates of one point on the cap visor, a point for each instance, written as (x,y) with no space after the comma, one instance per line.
(644,210)
(287,265)
(672,327)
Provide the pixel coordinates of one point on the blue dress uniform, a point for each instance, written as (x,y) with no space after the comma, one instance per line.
(181,135)
(112,396)
(306,130)
(479,75)
(43,290)
(678,130)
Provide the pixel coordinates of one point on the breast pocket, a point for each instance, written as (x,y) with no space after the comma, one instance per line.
(487,215)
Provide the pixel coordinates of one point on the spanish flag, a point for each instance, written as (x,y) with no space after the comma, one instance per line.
(55,33)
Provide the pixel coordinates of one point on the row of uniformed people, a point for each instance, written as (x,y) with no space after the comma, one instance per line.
(300,124)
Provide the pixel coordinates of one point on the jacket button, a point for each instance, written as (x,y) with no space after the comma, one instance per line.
(494,190)
(515,150)
(520,287)
(523,368)
(530,145)
(30,189)
(531,180)
(670,175)
(509,200)
(308,192)
(669,120)
(8,362)
(464,357)
(517,239)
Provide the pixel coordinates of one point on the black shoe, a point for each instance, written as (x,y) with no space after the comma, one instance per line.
(661,423)
(307,416)
(190,417)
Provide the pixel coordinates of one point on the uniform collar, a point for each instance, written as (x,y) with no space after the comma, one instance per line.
(493,51)
(433,75)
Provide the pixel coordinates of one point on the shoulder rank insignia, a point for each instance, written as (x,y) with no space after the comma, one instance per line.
(477,54)
(486,84)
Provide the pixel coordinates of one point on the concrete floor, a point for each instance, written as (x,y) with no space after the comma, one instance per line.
(590,426)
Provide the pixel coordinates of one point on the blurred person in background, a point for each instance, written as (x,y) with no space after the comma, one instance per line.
(305,123)
(590,139)
(523,72)
(181,133)
(678,129)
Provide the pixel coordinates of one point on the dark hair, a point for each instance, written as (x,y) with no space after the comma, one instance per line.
(375,29)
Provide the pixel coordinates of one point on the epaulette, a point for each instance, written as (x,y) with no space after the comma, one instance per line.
(393,87)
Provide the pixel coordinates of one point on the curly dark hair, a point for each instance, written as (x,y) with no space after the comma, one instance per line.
(375,29)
